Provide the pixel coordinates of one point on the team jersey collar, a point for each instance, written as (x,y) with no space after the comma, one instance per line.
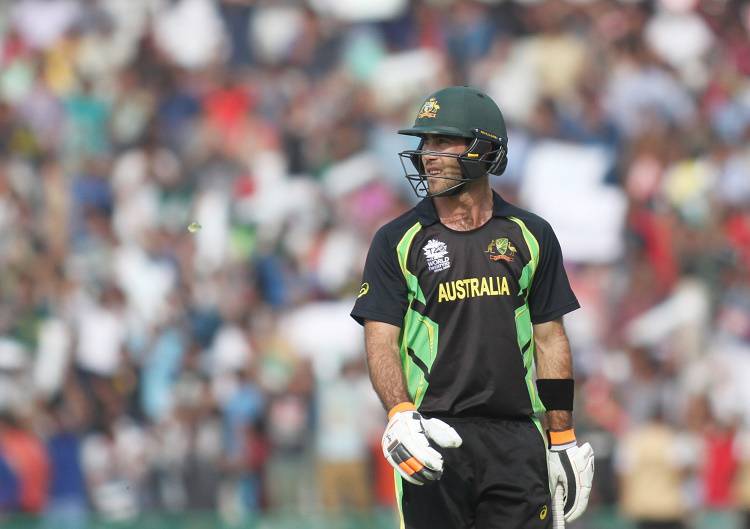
(427,215)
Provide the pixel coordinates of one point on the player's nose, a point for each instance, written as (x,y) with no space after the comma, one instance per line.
(430,159)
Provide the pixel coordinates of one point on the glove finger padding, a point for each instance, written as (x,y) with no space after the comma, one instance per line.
(406,446)
(444,435)
(574,469)
(414,438)
(583,461)
(409,468)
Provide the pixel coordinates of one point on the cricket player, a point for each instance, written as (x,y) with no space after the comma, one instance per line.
(462,300)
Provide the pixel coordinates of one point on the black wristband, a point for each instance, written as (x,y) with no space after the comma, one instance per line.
(556,393)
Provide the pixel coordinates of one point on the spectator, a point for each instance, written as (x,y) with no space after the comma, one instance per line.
(27,459)
(68,497)
(342,443)
(651,465)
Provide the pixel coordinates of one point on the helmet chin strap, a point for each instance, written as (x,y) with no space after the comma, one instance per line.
(451,191)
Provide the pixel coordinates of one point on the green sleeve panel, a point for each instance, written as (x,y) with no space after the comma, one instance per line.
(399,497)
(524,327)
(419,334)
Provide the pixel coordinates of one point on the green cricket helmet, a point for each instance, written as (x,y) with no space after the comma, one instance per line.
(463,112)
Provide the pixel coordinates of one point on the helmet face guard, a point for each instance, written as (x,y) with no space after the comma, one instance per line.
(481,157)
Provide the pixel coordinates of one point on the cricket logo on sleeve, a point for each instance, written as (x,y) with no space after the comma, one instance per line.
(436,253)
(501,250)
(429,109)
(363,290)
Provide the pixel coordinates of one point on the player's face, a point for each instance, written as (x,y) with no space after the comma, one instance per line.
(442,169)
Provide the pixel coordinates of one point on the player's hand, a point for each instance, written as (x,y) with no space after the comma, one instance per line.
(571,466)
(406,444)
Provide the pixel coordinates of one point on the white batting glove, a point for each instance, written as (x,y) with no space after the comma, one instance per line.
(406,444)
(571,466)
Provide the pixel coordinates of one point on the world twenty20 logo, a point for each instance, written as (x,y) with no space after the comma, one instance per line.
(436,254)
(501,250)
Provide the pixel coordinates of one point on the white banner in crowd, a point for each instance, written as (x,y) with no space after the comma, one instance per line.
(401,77)
(325,333)
(564,183)
(360,10)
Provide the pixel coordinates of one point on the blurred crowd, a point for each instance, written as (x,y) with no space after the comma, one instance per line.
(144,367)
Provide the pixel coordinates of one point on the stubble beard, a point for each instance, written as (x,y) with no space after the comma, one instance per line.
(438,184)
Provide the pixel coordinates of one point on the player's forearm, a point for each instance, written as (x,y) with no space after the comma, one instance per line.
(559,420)
(384,365)
(557,364)
(387,377)
(554,361)
(553,358)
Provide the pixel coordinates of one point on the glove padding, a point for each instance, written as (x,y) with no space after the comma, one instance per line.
(573,468)
(406,446)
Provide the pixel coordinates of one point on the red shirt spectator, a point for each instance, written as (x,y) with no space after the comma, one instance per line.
(28,459)
(719,468)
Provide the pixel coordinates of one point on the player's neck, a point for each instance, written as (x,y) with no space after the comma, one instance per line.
(468,210)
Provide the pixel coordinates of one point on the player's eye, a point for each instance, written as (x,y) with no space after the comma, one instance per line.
(437,144)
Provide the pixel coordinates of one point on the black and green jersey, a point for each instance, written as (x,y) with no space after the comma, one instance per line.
(465,302)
